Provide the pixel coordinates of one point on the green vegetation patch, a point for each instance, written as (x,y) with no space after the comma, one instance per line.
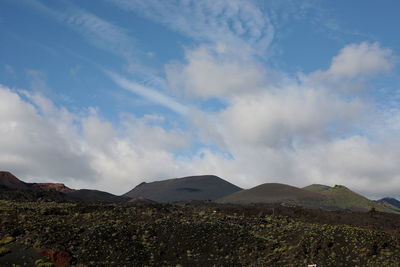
(4,251)
(6,240)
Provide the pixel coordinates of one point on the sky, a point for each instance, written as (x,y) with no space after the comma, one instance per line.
(107,94)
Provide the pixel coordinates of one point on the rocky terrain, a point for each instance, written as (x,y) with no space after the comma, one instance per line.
(193,234)
(270,225)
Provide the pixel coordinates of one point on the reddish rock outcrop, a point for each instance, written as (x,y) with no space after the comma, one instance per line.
(59,258)
(54,187)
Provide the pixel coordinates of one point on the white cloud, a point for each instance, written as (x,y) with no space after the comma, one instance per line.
(41,141)
(100,32)
(361,59)
(287,117)
(208,74)
(289,131)
(39,145)
(148,93)
(363,164)
(235,22)
(281,135)
(354,64)
(296,132)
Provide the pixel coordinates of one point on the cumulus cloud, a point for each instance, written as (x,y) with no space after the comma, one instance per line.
(289,117)
(39,145)
(354,64)
(367,166)
(41,141)
(290,130)
(205,74)
(293,131)
(361,59)
(294,134)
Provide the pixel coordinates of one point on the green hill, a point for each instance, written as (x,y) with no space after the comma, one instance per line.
(317,187)
(314,196)
(277,193)
(341,197)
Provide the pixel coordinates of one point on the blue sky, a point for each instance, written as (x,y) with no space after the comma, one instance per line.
(107,94)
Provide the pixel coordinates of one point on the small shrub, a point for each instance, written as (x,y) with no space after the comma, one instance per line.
(42,263)
(4,251)
(7,240)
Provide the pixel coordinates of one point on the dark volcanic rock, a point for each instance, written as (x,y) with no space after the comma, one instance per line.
(141,201)
(95,196)
(206,187)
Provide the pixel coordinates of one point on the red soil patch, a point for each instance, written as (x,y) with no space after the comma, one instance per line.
(59,258)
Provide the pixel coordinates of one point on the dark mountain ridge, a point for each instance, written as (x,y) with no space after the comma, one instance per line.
(13,188)
(8,180)
(203,187)
(390,200)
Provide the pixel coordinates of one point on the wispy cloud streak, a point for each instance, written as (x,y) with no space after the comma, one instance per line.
(94,29)
(148,93)
(233,21)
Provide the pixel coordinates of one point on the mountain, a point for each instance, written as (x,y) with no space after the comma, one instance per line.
(391,201)
(12,188)
(8,180)
(205,187)
(276,193)
(342,197)
(317,187)
(338,197)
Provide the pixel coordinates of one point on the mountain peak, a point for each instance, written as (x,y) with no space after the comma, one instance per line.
(7,179)
(317,187)
(201,187)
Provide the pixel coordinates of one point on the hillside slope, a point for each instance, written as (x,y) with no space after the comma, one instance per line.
(277,193)
(89,195)
(341,197)
(391,201)
(205,187)
(8,180)
(314,196)
(317,187)
(12,188)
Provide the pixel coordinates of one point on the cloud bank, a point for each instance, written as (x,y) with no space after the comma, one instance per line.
(267,126)
(289,132)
